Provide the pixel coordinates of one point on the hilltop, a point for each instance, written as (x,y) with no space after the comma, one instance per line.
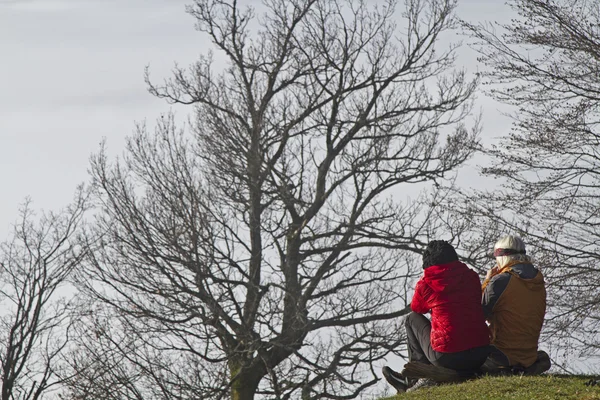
(513,387)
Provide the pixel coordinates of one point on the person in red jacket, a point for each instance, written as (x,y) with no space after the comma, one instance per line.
(457,336)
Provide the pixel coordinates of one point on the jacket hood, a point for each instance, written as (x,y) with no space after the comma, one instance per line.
(525,270)
(446,277)
(530,276)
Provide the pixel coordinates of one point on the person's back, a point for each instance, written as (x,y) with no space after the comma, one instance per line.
(514,303)
(457,336)
(451,292)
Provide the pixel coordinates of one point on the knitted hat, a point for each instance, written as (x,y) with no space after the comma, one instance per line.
(508,246)
(438,252)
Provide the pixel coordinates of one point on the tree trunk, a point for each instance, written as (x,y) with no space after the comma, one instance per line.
(244,382)
(244,389)
(243,392)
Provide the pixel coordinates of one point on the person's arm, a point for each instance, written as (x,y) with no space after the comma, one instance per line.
(419,302)
(492,293)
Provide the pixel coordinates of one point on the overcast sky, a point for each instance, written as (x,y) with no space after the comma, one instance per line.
(71,74)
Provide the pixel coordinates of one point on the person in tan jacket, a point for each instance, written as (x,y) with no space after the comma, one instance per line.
(514,304)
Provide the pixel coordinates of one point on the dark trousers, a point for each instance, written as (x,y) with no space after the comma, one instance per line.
(418,332)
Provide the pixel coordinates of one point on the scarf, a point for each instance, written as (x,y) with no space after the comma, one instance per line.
(506,268)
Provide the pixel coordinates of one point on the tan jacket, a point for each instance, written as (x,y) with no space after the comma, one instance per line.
(517,307)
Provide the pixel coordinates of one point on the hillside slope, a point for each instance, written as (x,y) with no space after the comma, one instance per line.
(514,387)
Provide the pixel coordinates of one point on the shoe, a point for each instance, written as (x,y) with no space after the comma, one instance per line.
(395,379)
(542,364)
(422,383)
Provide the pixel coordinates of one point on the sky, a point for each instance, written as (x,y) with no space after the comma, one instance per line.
(71,75)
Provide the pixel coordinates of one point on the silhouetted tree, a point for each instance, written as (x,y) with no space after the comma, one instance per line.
(269,251)
(36,299)
(546,63)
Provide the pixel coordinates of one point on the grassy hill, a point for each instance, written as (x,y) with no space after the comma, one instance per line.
(514,387)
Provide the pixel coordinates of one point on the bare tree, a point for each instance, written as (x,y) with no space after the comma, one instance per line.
(35,265)
(269,251)
(547,64)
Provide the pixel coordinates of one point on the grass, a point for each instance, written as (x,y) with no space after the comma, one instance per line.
(513,387)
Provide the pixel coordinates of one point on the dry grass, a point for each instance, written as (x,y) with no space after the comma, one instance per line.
(512,387)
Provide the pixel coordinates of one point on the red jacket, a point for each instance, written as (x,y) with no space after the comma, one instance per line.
(452,292)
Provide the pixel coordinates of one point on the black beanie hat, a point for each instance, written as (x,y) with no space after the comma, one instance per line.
(438,252)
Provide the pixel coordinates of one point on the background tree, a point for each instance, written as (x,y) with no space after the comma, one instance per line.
(35,267)
(269,251)
(546,63)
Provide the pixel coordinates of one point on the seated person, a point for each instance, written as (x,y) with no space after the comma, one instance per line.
(514,304)
(457,336)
